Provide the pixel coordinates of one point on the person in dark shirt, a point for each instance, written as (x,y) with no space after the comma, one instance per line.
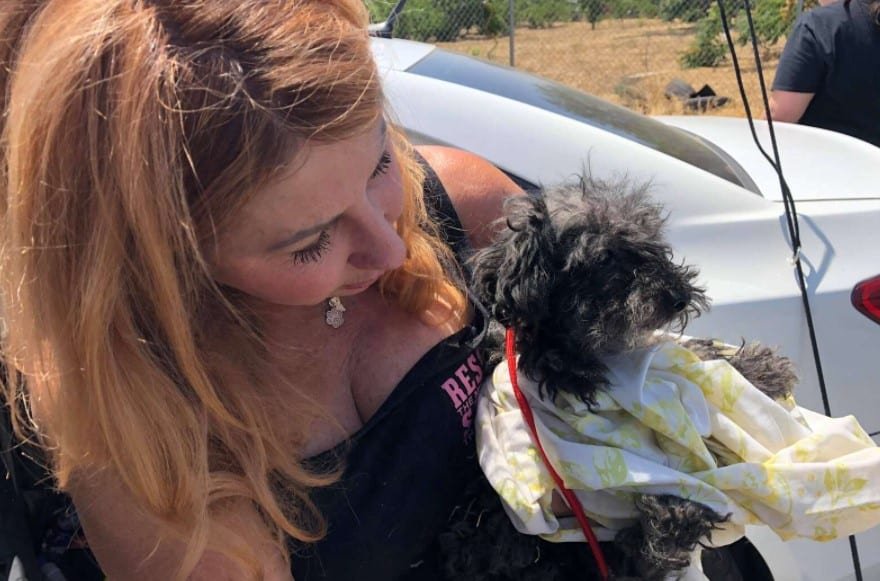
(231,294)
(829,71)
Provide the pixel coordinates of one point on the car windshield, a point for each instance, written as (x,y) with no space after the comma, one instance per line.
(557,98)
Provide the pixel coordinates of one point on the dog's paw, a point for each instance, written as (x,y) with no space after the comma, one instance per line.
(668,532)
(763,366)
(772,373)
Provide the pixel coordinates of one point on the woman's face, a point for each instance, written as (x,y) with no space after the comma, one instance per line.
(325,227)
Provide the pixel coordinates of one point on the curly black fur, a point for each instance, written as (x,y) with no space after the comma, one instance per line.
(481,544)
(582,272)
(668,531)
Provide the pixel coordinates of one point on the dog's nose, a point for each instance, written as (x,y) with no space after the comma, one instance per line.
(679,300)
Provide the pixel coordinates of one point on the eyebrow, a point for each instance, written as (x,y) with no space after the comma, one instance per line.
(302,234)
(312,230)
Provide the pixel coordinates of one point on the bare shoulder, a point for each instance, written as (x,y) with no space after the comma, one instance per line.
(127,543)
(476,187)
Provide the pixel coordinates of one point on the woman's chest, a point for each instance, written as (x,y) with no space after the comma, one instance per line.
(383,358)
(405,471)
(355,372)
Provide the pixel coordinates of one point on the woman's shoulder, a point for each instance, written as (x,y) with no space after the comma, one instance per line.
(476,188)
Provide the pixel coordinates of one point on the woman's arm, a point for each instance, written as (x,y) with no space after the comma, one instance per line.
(476,187)
(127,544)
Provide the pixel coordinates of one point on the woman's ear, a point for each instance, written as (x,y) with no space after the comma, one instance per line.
(514,275)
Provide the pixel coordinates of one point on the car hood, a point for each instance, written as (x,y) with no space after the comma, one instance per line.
(398,54)
(803,151)
(720,145)
(454,73)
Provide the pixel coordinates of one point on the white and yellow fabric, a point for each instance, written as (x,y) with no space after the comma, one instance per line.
(673,424)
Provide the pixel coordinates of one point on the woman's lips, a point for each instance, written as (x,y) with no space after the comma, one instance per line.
(360,285)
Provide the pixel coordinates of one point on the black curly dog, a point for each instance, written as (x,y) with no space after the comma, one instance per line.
(583,271)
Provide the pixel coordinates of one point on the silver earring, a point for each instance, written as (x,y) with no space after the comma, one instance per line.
(334,315)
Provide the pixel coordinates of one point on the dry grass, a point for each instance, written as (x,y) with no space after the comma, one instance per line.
(625,61)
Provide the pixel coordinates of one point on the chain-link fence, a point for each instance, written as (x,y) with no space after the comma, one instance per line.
(655,56)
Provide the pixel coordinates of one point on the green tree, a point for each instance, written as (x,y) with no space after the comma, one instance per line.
(773,19)
(593,10)
(495,18)
(542,13)
(707,50)
(633,8)
(685,10)
(431,20)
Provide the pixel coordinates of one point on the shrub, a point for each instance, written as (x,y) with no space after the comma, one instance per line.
(592,10)
(378,9)
(495,19)
(685,10)
(633,8)
(542,13)
(427,20)
(708,50)
(773,19)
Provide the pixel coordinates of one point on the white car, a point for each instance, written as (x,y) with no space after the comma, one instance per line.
(726,216)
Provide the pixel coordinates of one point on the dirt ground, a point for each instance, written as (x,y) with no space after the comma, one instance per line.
(626,61)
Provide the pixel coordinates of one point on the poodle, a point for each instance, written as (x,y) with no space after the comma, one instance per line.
(582,272)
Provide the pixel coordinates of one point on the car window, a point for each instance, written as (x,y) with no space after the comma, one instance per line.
(574,104)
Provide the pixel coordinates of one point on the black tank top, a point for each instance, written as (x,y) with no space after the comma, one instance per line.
(405,469)
(408,466)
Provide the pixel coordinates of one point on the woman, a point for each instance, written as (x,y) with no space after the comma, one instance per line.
(236,323)
(827,75)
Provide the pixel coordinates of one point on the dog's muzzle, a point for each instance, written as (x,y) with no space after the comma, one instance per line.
(679,300)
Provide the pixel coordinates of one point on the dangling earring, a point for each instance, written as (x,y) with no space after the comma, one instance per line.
(334,316)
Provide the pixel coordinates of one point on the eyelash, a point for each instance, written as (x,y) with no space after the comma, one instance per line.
(384,163)
(312,253)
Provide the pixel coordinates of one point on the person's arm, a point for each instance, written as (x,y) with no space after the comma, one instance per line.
(127,546)
(788,106)
(476,187)
(800,74)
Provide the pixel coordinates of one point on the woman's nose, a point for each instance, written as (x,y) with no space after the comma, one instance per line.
(380,248)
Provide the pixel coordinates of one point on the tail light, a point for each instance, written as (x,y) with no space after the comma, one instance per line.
(866,298)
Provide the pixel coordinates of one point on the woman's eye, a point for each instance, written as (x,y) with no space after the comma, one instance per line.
(384,163)
(313,252)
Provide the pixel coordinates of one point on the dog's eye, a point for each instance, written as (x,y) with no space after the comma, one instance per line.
(604,258)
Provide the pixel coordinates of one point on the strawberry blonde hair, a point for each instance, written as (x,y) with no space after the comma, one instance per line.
(133,131)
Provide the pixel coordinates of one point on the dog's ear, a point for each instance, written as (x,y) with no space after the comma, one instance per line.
(623,201)
(514,275)
(642,211)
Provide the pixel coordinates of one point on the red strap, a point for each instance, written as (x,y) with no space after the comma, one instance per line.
(573,502)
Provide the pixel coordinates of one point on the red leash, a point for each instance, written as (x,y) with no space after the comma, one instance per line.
(570,498)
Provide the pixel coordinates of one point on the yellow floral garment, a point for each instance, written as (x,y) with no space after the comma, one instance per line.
(673,424)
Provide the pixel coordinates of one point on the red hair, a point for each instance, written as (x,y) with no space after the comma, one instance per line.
(133,129)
